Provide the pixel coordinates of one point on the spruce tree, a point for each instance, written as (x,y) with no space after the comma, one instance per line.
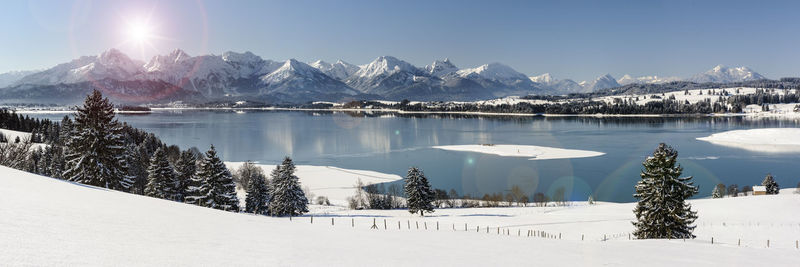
(257,200)
(185,169)
(95,151)
(662,211)
(286,195)
(715,193)
(159,176)
(418,191)
(772,186)
(217,189)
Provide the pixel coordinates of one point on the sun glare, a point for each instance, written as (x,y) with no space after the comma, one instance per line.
(139,32)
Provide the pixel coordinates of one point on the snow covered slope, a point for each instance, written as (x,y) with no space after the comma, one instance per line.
(49,222)
(339,70)
(297,82)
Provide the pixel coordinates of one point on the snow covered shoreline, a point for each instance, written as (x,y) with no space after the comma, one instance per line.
(531,152)
(336,184)
(776,140)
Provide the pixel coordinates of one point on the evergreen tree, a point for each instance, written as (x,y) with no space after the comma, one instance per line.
(217,189)
(257,200)
(95,151)
(662,211)
(286,195)
(159,176)
(418,191)
(772,186)
(185,169)
(715,193)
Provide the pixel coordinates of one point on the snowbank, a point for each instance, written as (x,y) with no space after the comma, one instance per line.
(12,135)
(336,184)
(532,152)
(777,140)
(49,222)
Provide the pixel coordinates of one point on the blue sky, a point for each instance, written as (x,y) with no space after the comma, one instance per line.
(570,39)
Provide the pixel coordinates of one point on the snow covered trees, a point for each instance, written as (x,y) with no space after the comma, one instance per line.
(286,195)
(257,200)
(662,211)
(772,186)
(185,168)
(95,151)
(418,191)
(160,176)
(213,185)
(715,193)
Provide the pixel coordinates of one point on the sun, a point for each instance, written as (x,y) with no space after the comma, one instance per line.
(139,32)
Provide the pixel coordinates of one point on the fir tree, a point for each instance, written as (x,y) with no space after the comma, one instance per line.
(159,176)
(257,200)
(772,186)
(418,191)
(715,193)
(217,189)
(286,195)
(185,169)
(662,211)
(95,154)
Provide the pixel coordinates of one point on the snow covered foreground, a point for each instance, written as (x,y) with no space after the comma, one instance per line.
(47,222)
(780,140)
(532,152)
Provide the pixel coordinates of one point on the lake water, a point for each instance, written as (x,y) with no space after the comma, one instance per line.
(391,143)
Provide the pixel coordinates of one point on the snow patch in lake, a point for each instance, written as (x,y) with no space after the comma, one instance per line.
(532,152)
(777,140)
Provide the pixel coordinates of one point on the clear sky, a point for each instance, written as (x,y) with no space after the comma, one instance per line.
(570,39)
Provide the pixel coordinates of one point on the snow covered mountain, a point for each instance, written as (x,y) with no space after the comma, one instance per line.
(12,77)
(339,70)
(296,81)
(387,73)
(441,67)
(628,79)
(602,82)
(111,64)
(545,79)
(724,74)
(556,86)
(500,79)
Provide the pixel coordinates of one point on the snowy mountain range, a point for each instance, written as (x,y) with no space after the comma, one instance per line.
(245,76)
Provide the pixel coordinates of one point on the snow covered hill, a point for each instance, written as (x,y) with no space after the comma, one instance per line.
(49,222)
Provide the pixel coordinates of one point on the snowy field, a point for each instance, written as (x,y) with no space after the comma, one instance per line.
(336,184)
(532,152)
(12,135)
(49,222)
(762,140)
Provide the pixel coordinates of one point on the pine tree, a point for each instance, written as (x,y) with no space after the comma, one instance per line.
(662,211)
(286,195)
(159,176)
(772,186)
(418,191)
(257,200)
(217,189)
(715,193)
(185,169)
(95,154)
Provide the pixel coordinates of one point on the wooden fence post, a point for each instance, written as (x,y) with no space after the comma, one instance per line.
(740,242)
(712,240)
(767,242)
(581,237)
(426,225)
(417,223)
(465,227)
(312,219)
(384,225)
(353,222)
(437,225)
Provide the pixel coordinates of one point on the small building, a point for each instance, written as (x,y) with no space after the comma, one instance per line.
(759,190)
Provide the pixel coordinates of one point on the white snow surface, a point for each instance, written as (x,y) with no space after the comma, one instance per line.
(336,184)
(49,222)
(762,140)
(532,152)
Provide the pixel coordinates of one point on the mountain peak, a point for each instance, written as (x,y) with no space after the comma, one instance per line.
(545,78)
(724,74)
(441,67)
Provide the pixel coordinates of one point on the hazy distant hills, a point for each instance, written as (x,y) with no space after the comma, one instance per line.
(178,76)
